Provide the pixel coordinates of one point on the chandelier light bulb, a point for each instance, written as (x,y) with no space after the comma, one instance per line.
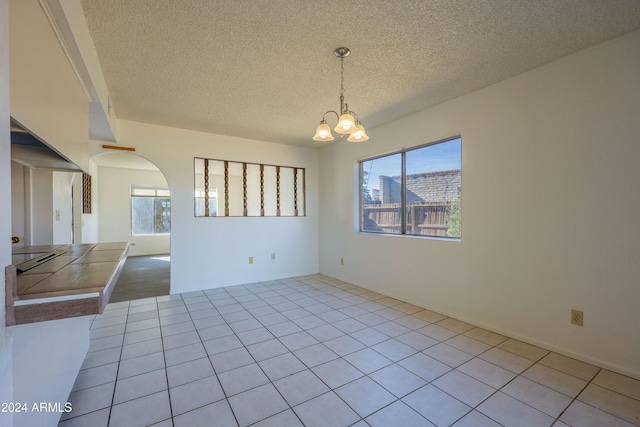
(346,124)
(323,132)
(359,135)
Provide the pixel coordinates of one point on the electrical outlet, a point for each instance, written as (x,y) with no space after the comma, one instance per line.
(341,261)
(576,317)
(273,256)
(250,260)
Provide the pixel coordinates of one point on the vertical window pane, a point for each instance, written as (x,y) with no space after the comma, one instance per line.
(141,215)
(381,181)
(162,216)
(433,189)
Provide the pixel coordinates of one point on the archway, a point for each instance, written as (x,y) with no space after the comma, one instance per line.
(133,204)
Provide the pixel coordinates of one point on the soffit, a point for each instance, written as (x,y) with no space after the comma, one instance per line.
(265,70)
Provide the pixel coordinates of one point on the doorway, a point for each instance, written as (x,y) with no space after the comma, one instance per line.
(134,205)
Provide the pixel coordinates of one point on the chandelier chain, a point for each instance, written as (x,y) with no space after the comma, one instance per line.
(342,76)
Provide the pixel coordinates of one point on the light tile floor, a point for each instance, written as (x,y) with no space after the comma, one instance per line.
(314,351)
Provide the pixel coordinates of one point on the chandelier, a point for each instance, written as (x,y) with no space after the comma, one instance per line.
(348,123)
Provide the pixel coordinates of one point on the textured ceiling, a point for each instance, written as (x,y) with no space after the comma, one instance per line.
(265,69)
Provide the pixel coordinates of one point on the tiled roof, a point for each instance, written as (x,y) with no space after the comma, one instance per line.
(429,187)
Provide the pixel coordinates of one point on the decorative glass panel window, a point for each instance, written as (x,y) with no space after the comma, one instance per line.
(226,188)
(416,191)
(150,211)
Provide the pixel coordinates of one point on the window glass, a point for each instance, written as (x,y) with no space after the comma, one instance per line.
(150,214)
(141,215)
(432,187)
(414,192)
(161,215)
(143,192)
(382,194)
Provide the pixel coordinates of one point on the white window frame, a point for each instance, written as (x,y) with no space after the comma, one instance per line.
(153,193)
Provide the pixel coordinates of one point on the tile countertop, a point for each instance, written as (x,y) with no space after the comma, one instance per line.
(76,283)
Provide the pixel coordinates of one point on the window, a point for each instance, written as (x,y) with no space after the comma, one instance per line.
(414,192)
(150,211)
(227,188)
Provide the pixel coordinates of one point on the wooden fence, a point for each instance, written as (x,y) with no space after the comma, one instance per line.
(425,219)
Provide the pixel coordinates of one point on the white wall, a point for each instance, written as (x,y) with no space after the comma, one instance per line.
(18,214)
(62,208)
(90,222)
(212,252)
(6,345)
(39,206)
(550,208)
(114,193)
(47,97)
(46,359)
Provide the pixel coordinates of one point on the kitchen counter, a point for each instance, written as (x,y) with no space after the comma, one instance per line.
(77,281)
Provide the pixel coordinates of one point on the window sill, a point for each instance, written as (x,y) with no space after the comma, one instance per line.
(410,236)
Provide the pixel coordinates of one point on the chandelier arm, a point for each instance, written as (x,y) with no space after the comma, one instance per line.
(331,111)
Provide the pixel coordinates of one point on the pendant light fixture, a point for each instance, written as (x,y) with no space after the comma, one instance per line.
(348,123)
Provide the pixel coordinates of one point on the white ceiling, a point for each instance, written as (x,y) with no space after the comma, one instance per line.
(265,69)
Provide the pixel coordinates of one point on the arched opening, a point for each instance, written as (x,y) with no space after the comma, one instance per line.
(133,203)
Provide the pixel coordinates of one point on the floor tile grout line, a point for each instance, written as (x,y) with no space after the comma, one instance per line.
(115,381)
(588,383)
(575,398)
(364,374)
(331,389)
(166,373)
(313,295)
(224,392)
(269,379)
(72,391)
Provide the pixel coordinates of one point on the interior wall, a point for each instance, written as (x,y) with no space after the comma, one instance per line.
(46,359)
(62,208)
(39,206)
(47,97)
(549,209)
(76,188)
(213,252)
(18,226)
(114,192)
(90,221)
(6,344)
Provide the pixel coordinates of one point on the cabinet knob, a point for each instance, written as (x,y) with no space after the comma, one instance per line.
(15,239)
